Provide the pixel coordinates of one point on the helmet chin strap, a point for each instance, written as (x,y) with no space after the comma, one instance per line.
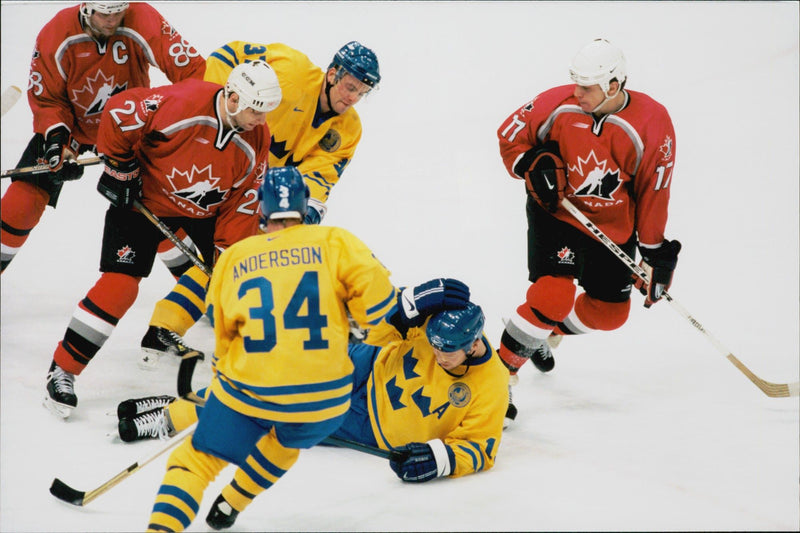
(607,98)
(228,115)
(328,91)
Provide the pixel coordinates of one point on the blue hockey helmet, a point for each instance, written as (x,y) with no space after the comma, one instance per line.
(358,61)
(456,329)
(283,194)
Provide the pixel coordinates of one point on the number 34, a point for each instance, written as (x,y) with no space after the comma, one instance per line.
(307,291)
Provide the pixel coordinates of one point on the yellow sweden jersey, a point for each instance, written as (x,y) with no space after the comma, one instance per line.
(278,303)
(412,399)
(320,146)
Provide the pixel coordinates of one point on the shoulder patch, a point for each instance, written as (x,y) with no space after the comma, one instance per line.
(331,141)
(459,394)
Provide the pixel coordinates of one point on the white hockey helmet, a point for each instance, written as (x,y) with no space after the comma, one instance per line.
(257,86)
(598,63)
(107,8)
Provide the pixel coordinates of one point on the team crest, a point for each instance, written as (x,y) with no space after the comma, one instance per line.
(93,96)
(666,149)
(196,189)
(167,29)
(527,107)
(125,255)
(598,180)
(331,141)
(566,256)
(459,394)
(150,105)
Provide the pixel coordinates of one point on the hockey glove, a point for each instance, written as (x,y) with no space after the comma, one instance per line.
(415,304)
(544,174)
(422,461)
(659,263)
(315,212)
(120,182)
(60,151)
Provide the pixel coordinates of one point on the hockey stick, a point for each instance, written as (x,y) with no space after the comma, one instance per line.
(353,445)
(9,98)
(44,167)
(179,244)
(773,390)
(65,493)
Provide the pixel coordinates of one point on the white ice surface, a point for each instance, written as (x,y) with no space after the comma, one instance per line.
(644,428)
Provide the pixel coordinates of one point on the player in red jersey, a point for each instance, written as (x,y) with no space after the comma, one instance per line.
(611,152)
(83,56)
(194,153)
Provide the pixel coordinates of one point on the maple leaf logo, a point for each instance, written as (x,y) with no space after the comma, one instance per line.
(93,96)
(565,255)
(666,149)
(125,254)
(599,181)
(197,186)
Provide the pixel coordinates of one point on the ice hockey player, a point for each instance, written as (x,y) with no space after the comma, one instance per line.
(455,430)
(150,141)
(83,56)
(611,152)
(283,377)
(316,129)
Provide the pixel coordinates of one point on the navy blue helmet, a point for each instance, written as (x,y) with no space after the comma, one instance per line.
(457,329)
(358,61)
(283,194)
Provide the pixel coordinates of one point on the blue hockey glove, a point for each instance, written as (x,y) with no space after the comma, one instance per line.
(659,263)
(543,171)
(60,151)
(415,304)
(120,182)
(422,461)
(315,212)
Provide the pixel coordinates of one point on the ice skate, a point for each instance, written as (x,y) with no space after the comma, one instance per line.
(60,399)
(221,515)
(160,341)
(152,424)
(131,408)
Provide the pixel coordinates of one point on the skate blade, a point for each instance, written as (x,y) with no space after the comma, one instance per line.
(59,409)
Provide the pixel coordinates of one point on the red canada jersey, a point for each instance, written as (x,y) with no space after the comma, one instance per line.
(191,165)
(72,75)
(619,166)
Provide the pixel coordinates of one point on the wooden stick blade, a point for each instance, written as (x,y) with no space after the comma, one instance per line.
(773,390)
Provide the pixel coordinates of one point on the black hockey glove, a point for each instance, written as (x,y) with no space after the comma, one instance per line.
(415,304)
(422,461)
(315,212)
(120,182)
(60,151)
(659,263)
(543,171)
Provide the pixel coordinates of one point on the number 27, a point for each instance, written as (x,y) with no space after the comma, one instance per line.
(307,291)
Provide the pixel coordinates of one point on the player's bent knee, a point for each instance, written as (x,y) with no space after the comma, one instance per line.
(605,316)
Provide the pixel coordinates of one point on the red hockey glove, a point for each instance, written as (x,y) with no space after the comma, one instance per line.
(544,174)
(659,263)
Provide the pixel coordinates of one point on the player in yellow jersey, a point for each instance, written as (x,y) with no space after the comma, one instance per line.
(282,374)
(315,129)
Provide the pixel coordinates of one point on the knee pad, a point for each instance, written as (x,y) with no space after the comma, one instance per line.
(23,205)
(605,316)
(547,302)
(115,293)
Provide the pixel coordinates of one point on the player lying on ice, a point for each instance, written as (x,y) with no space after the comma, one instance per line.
(455,431)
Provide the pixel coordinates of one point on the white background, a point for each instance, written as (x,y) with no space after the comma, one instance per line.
(647,427)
